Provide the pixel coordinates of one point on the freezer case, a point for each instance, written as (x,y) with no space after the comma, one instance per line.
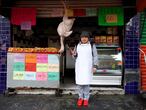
(110,66)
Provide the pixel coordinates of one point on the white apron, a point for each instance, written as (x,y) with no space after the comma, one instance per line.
(83,65)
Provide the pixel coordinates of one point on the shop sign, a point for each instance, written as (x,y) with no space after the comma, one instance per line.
(111,16)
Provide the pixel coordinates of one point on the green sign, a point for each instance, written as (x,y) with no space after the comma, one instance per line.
(18,66)
(53,76)
(111,16)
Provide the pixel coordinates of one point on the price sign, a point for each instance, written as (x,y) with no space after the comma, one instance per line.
(30,58)
(30,75)
(111,18)
(41,76)
(42,67)
(53,76)
(18,75)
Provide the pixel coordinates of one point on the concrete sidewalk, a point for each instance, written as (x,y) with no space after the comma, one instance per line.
(68,102)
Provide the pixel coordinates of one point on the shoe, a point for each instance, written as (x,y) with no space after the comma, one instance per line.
(85,103)
(80,102)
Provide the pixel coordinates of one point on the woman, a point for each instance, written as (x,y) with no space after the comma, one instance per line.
(85,65)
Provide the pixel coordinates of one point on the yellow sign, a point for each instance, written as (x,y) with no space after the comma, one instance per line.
(111,18)
(18,75)
(41,67)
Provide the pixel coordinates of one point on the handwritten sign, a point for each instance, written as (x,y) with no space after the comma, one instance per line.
(53,68)
(18,66)
(111,18)
(19,57)
(42,58)
(53,76)
(30,58)
(41,76)
(53,59)
(26,25)
(30,67)
(42,67)
(18,75)
(30,76)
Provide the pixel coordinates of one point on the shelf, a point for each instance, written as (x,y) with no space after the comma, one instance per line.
(107,46)
(108,72)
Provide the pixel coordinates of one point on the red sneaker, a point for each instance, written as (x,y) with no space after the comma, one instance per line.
(80,102)
(86,103)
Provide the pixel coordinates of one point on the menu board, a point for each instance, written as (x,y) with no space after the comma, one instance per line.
(35,67)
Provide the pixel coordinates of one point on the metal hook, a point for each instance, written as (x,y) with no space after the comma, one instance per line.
(144,55)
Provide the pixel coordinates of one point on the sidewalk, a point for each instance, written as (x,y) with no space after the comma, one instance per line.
(68,102)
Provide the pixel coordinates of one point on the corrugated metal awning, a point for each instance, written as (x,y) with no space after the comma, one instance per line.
(44,7)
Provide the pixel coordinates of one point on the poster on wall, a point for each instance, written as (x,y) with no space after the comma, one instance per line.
(35,67)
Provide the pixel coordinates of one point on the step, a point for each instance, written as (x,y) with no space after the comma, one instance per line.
(93,90)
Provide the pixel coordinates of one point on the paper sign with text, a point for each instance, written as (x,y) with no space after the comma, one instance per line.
(30,75)
(18,75)
(41,76)
(19,57)
(42,58)
(53,59)
(53,76)
(53,68)
(30,67)
(30,58)
(18,66)
(41,67)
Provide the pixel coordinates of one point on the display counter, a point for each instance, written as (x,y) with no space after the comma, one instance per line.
(33,67)
(110,66)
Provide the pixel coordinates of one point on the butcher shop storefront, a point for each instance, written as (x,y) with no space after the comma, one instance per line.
(39,55)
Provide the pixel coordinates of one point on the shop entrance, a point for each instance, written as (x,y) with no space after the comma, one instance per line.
(108,40)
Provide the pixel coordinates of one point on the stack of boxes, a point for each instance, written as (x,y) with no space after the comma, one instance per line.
(4,44)
(131,56)
(143,48)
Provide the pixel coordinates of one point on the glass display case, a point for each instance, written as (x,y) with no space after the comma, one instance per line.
(110,66)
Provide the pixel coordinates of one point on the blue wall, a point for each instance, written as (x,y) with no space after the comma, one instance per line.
(4,44)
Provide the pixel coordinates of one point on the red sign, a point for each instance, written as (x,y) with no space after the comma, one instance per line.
(30,67)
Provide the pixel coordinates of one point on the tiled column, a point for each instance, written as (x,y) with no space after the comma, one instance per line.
(131,56)
(4,44)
